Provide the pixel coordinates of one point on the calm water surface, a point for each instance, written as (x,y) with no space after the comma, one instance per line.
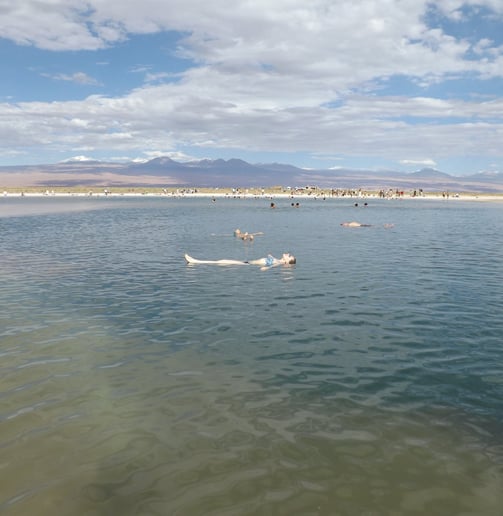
(367,379)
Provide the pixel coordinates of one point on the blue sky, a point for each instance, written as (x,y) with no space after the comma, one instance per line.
(377,84)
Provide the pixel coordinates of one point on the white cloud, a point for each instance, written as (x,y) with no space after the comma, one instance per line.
(77,77)
(324,38)
(265,76)
(52,25)
(162,117)
(157,77)
(175,155)
(453,8)
(81,159)
(423,162)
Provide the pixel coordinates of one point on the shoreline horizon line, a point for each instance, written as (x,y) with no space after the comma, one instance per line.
(251,192)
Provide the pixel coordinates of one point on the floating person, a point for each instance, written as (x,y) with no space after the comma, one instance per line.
(355,224)
(246,236)
(243,236)
(265,263)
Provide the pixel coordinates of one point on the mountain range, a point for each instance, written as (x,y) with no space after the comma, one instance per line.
(166,172)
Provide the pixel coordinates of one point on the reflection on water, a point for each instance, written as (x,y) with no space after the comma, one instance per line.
(365,380)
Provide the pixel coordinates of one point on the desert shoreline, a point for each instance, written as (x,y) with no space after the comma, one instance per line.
(265,193)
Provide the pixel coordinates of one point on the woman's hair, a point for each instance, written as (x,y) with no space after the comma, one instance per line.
(292,260)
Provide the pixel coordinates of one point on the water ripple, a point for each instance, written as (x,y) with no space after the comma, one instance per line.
(367,378)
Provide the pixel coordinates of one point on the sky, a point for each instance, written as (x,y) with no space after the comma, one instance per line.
(363,84)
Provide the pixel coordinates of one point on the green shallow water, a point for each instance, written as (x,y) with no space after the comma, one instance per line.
(367,379)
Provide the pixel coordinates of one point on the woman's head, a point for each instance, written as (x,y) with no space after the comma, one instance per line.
(288,258)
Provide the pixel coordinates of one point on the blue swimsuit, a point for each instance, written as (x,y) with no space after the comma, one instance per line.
(269,261)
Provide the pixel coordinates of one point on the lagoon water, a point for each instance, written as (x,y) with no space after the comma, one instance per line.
(365,380)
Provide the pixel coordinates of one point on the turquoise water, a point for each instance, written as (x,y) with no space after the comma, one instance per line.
(367,379)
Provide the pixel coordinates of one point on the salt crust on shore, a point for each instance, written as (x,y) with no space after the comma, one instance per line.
(276,195)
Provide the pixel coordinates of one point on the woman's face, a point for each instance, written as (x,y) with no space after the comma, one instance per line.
(288,258)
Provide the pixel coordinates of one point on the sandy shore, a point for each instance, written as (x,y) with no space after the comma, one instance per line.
(215,193)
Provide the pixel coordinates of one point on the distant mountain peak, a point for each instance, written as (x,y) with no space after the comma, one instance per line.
(234,172)
(429,173)
(162,160)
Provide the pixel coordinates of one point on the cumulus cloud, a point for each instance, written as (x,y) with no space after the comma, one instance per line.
(287,75)
(162,117)
(326,38)
(52,25)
